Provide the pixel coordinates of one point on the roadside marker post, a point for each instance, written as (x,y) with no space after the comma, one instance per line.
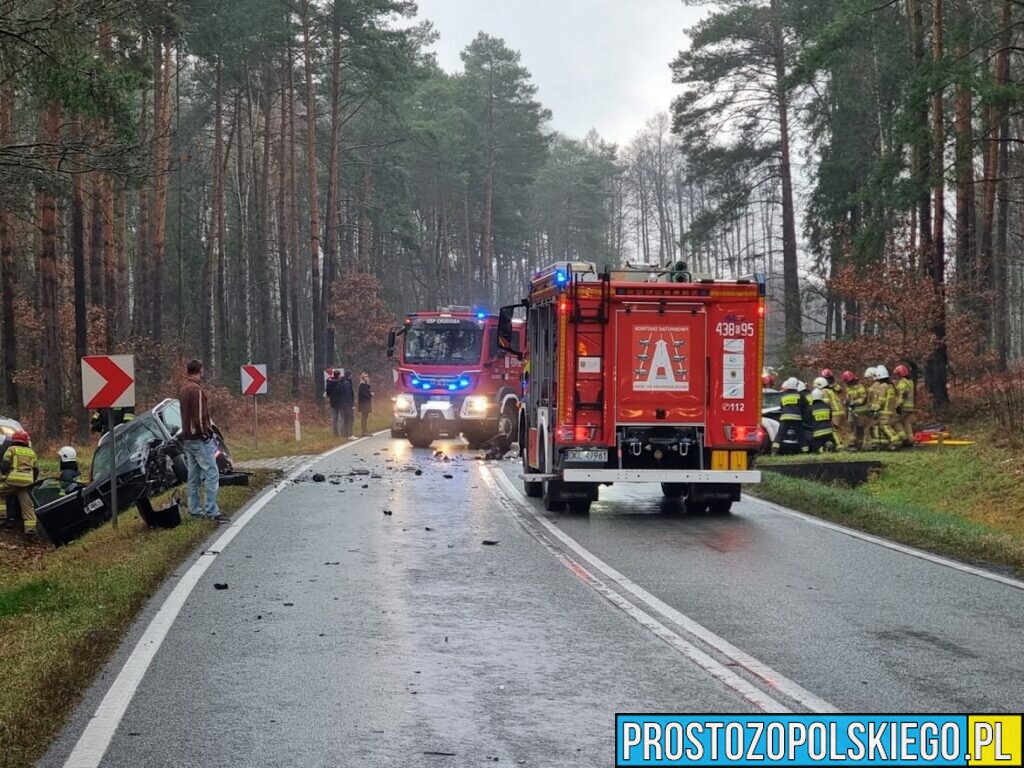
(254,384)
(108,381)
(298,426)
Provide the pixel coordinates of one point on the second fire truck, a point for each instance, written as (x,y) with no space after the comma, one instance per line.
(636,377)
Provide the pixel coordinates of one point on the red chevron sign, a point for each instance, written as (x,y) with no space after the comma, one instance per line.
(108,381)
(254,379)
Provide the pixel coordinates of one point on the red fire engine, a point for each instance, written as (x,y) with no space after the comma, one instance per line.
(636,377)
(452,378)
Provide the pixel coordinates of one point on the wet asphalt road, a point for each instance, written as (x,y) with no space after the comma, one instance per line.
(348,637)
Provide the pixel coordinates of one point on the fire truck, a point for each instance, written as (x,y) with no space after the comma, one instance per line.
(452,378)
(639,377)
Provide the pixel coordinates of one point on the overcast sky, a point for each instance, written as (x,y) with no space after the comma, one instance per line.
(599,64)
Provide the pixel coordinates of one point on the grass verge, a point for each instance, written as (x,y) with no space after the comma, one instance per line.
(63,612)
(966,503)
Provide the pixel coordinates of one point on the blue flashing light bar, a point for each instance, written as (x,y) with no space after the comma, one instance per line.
(561,277)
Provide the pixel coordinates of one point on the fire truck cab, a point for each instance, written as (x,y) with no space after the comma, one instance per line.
(637,376)
(452,378)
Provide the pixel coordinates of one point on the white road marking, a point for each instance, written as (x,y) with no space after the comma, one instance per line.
(896,547)
(505,490)
(95,739)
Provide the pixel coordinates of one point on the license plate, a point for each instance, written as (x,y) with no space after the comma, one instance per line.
(440,398)
(587,455)
(434,415)
(94,505)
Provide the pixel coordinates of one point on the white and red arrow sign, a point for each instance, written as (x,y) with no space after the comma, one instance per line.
(108,381)
(254,379)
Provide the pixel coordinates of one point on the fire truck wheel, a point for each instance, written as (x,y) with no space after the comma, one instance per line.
(720,508)
(508,424)
(673,490)
(695,507)
(553,496)
(532,490)
(420,438)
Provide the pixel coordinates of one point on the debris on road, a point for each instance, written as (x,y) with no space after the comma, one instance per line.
(490,543)
(388,512)
(318,478)
(220,586)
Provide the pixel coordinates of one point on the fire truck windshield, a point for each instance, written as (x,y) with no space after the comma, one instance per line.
(441,340)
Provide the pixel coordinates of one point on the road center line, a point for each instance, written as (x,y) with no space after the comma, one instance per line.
(895,546)
(92,745)
(518,505)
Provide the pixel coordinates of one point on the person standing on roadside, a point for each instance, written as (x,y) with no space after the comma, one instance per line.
(348,402)
(333,395)
(365,402)
(200,447)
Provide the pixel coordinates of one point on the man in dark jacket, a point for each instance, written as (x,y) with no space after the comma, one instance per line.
(348,405)
(333,395)
(200,447)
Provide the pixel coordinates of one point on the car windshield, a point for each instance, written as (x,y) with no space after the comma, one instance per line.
(440,340)
(130,441)
(771,400)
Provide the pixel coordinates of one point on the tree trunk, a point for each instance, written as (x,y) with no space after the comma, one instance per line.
(332,213)
(112,295)
(46,215)
(284,346)
(921,149)
(261,286)
(937,365)
(213,248)
(365,195)
(1001,123)
(968,271)
(314,210)
(790,266)
(78,256)
(293,224)
(8,275)
(162,67)
(140,302)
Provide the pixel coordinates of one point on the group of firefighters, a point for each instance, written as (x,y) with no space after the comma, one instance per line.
(854,414)
(19,472)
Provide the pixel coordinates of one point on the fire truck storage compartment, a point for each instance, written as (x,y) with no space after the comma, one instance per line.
(661,368)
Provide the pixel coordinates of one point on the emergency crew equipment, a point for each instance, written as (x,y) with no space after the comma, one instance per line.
(639,381)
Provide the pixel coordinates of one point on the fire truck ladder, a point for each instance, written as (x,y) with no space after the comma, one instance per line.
(598,322)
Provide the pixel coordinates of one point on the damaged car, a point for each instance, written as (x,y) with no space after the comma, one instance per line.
(148,462)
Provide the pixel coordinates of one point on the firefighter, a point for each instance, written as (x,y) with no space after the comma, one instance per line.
(882,401)
(857,407)
(70,475)
(794,414)
(835,405)
(18,472)
(100,419)
(768,381)
(823,435)
(905,405)
(836,387)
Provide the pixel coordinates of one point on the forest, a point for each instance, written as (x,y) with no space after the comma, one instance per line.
(265,181)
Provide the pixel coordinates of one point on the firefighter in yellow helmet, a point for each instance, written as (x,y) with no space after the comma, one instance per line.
(905,404)
(857,405)
(19,470)
(882,400)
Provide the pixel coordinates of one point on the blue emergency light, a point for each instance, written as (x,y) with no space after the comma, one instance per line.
(561,277)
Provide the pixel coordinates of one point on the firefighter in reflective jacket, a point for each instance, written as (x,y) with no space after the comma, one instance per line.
(835,406)
(857,404)
(794,414)
(823,435)
(882,402)
(18,472)
(905,404)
